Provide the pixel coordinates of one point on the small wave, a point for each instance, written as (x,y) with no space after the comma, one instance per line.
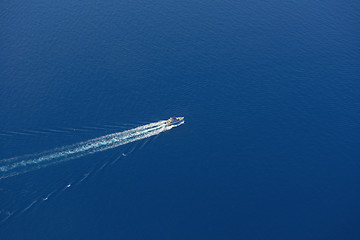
(26,163)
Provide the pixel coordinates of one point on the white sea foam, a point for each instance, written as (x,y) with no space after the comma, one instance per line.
(21,164)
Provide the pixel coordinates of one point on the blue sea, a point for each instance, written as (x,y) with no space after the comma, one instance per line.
(270,92)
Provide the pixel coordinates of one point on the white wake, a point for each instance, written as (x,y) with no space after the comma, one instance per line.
(17,165)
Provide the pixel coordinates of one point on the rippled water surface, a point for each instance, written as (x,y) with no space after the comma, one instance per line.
(270,95)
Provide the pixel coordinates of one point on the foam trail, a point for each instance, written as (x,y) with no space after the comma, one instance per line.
(22,164)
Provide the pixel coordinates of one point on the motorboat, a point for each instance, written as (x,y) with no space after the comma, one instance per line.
(174,120)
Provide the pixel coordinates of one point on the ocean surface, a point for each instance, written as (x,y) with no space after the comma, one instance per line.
(270,92)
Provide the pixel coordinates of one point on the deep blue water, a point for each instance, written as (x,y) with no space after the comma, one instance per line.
(270,95)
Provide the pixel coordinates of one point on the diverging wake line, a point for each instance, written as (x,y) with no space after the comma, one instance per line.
(17,165)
